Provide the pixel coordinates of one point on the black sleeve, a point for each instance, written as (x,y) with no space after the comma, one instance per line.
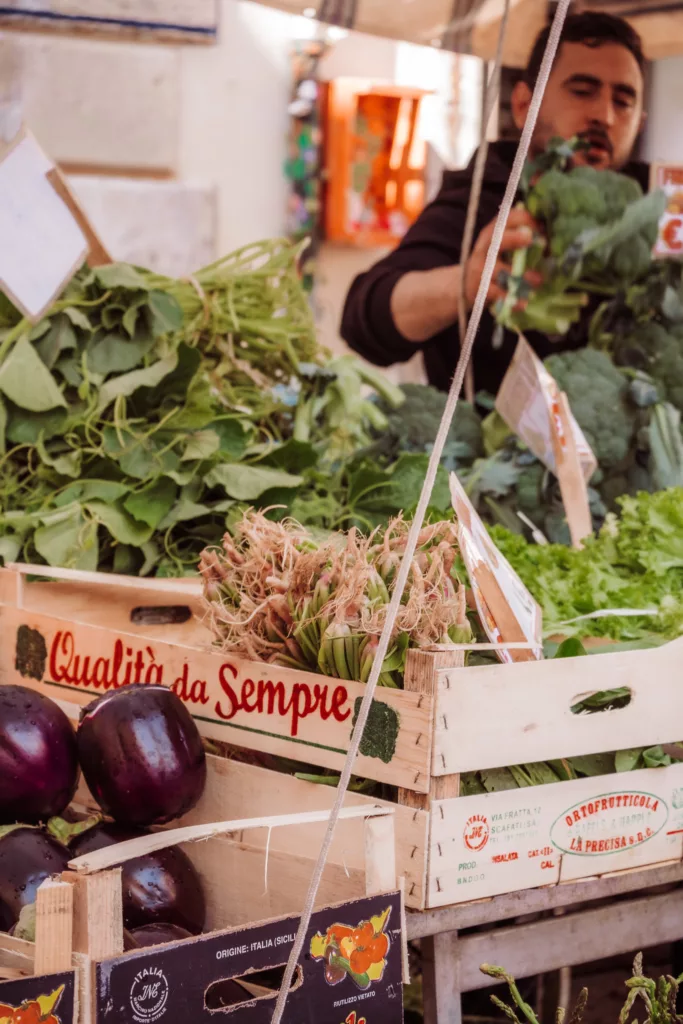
(434,240)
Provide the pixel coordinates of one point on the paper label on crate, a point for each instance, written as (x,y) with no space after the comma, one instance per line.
(351,971)
(49,998)
(524,838)
(42,245)
(507,610)
(528,402)
(669,178)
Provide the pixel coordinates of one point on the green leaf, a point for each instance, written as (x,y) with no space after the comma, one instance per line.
(292,456)
(68,539)
(121,525)
(70,369)
(247,483)
(26,380)
(201,445)
(166,314)
(232,437)
(64,460)
(128,383)
(120,275)
(571,648)
(126,560)
(78,318)
(3,427)
(112,316)
(139,457)
(151,504)
(26,427)
(10,548)
(87,490)
(60,338)
(116,353)
(184,511)
(130,318)
(627,760)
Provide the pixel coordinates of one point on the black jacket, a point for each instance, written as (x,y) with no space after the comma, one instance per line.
(435,240)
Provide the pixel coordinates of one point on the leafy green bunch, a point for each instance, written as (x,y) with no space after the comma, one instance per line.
(599,231)
(142,411)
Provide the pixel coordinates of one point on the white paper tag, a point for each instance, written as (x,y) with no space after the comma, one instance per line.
(506,608)
(527,400)
(42,245)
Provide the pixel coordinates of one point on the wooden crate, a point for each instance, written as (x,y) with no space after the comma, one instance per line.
(448,720)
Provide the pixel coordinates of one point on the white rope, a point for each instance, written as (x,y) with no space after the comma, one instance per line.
(475,192)
(416,526)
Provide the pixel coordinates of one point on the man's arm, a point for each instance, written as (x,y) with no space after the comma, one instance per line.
(413,294)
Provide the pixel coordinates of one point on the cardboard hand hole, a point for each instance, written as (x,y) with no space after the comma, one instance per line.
(166,615)
(232,993)
(596,701)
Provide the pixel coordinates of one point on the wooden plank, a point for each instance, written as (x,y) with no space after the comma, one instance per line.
(491,716)
(172,20)
(54,927)
(440,979)
(281,711)
(520,839)
(380,855)
(536,901)
(142,612)
(577,938)
(16,954)
(99,860)
(245,883)
(235,790)
(98,913)
(421,676)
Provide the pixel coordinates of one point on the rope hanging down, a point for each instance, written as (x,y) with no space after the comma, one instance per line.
(416,526)
(475,193)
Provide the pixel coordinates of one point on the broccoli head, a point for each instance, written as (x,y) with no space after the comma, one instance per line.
(413,427)
(598,396)
(658,351)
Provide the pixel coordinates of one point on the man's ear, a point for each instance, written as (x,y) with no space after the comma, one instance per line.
(521,101)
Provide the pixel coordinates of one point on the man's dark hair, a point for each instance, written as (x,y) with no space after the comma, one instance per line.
(592,28)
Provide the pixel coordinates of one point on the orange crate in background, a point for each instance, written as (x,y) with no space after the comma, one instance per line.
(375,162)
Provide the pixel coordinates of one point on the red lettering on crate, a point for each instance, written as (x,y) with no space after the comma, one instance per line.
(476,834)
(270,698)
(124,666)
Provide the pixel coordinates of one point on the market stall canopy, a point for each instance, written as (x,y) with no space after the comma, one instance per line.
(471,26)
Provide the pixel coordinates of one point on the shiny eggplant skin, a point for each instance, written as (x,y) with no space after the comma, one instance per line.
(159,888)
(154,935)
(27,857)
(141,755)
(38,757)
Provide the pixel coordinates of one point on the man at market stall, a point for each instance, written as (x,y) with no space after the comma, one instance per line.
(409,300)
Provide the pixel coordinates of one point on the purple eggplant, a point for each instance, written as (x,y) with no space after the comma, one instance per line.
(158,888)
(38,757)
(141,755)
(27,857)
(154,935)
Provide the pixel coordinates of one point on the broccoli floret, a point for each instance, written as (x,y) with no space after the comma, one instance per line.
(658,351)
(598,397)
(600,231)
(413,427)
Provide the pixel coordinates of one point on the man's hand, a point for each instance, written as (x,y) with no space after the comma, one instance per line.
(519,234)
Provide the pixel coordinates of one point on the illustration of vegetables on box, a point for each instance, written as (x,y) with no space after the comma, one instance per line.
(358,953)
(34,1011)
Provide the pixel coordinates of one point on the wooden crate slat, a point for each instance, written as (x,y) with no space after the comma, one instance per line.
(492,716)
(281,711)
(519,839)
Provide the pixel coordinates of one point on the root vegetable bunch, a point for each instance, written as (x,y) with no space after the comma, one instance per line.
(276,594)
